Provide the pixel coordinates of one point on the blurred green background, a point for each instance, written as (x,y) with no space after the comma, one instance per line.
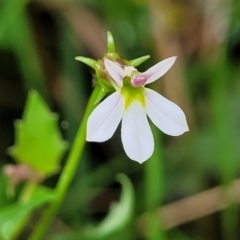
(180,184)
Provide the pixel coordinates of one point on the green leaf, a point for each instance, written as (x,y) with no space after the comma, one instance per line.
(120,213)
(12,215)
(38,142)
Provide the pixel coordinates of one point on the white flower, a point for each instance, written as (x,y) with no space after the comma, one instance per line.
(131,103)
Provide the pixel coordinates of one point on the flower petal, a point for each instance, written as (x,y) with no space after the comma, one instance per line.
(136,134)
(104,119)
(115,71)
(166,115)
(158,70)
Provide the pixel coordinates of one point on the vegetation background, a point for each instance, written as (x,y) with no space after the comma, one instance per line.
(191,184)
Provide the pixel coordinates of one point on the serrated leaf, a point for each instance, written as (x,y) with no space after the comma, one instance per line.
(12,215)
(38,141)
(119,215)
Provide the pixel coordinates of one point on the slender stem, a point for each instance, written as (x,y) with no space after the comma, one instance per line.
(24,197)
(68,171)
(27,191)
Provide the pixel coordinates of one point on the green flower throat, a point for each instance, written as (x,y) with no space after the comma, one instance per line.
(131,93)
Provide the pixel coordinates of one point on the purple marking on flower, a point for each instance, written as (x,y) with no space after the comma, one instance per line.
(139,80)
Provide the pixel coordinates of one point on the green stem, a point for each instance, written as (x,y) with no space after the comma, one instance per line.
(27,191)
(68,171)
(24,197)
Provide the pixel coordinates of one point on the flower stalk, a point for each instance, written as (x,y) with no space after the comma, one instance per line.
(68,171)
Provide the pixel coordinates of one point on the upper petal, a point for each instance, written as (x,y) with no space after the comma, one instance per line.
(115,71)
(104,119)
(166,115)
(136,134)
(158,70)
